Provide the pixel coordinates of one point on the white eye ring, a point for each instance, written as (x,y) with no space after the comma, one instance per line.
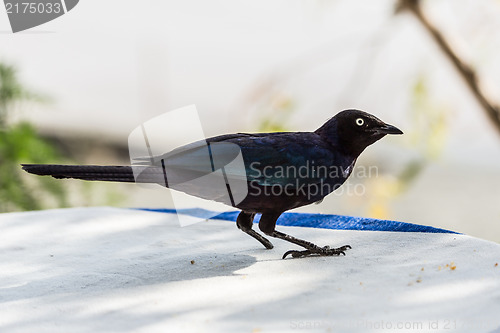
(360,122)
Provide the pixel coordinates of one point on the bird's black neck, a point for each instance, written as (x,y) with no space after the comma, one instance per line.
(332,134)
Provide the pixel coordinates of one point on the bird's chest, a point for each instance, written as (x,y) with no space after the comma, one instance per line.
(347,170)
(340,171)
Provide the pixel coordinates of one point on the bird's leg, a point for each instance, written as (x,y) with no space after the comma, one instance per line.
(267,225)
(245,223)
(312,249)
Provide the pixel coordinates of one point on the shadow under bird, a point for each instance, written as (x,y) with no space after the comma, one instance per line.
(271,161)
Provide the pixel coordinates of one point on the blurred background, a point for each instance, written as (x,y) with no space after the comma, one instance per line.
(73,89)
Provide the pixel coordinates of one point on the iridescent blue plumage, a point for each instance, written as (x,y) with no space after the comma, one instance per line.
(281,170)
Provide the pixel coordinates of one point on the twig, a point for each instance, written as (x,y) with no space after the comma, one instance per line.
(465,70)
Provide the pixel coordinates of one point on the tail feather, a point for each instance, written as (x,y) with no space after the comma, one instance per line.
(96,172)
(179,179)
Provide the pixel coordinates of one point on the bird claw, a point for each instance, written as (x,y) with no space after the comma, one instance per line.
(320,251)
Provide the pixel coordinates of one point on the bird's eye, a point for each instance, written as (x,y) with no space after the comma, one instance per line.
(360,122)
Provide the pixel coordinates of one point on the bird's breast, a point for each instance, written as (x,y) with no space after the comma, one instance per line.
(346,172)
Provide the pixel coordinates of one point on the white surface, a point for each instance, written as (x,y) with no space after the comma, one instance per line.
(106,270)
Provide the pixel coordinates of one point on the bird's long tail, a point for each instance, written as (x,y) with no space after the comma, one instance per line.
(97,172)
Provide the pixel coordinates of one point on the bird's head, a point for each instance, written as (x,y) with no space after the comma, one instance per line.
(354,130)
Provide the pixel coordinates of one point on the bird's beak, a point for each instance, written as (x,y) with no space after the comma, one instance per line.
(387,129)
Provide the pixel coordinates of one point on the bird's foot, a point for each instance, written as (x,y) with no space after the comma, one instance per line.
(320,251)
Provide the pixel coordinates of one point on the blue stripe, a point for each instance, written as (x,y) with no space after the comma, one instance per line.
(338,222)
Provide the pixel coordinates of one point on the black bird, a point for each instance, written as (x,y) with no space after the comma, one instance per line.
(283,171)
